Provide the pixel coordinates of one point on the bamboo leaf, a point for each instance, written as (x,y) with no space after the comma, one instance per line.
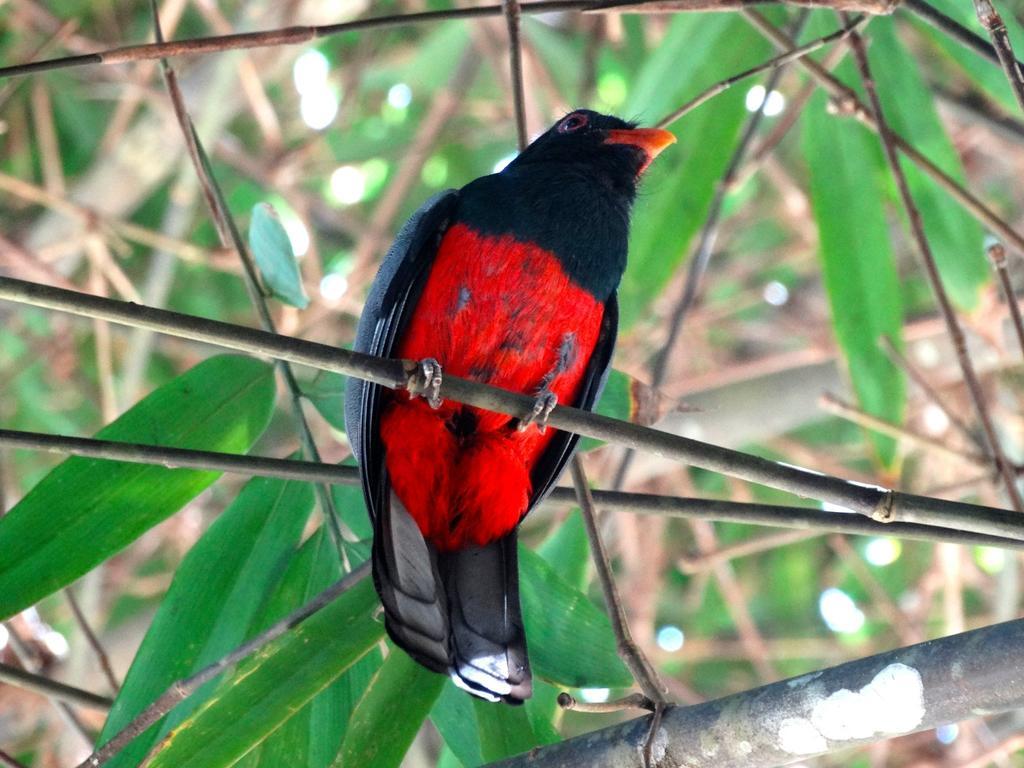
(85,510)
(857,260)
(955,236)
(390,712)
(276,683)
(697,51)
(274,256)
(312,736)
(215,594)
(570,641)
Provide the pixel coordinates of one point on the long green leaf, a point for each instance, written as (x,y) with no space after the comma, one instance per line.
(85,510)
(312,736)
(216,591)
(454,716)
(506,731)
(263,694)
(697,51)
(857,261)
(390,713)
(954,235)
(570,641)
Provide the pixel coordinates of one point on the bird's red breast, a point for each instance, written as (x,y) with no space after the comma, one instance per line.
(503,312)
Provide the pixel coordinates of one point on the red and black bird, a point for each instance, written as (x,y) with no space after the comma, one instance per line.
(511,281)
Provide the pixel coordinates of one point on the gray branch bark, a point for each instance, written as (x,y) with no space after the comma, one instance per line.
(903,691)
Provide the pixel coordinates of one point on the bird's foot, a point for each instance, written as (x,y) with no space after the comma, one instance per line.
(542,408)
(425,381)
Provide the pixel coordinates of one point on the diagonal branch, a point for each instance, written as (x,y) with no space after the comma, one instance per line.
(182,689)
(907,690)
(53,689)
(878,503)
(993,23)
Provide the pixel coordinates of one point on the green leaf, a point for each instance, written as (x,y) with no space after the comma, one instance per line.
(697,51)
(312,736)
(568,551)
(216,591)
(389,714)
(628,399)
(956,237)
(327,394)
(860,275)
(85,510)
(506,731)
(276,683)
(570,641)
(454,716)
(272,250)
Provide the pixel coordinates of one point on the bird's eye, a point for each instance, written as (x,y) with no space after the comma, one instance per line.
(573,122)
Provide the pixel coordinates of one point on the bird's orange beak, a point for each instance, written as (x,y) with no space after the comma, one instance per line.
(651,140)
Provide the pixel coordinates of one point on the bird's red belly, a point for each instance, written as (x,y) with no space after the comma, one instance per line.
(502,312)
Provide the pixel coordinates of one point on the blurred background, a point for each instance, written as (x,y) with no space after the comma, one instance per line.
(810,266)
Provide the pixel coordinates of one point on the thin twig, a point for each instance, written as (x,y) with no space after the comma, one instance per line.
(802,518)
(633,701)
(771,65)
(182,689)
(847,102)
(882,504)
(53,689)
(691,564)
(951,28)
(92,639)
(993,23)
(997,255)
(903,363)
(297,35)
(515,54)
(639,666)
(227,228)
(956,333)
(9,761)
(832,403)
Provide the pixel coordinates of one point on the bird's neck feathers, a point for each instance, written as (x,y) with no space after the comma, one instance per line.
(561,207)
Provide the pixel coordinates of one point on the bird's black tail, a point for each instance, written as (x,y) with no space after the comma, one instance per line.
(488,643)
(454,612)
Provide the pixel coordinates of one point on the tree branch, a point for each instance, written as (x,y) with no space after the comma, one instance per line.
(53,689)
(770,515)
(902,691)
(876,502)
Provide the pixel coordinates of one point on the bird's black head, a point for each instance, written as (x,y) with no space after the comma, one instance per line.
(611,151)
(570,192)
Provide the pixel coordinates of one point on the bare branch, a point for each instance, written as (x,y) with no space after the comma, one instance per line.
(997,255)
(298,35)
(907,690)
(878,503)
(993,22)
(92,639)
(799,518)
(53,689)
(515,53)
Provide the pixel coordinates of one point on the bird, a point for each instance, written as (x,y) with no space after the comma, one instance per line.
(512,281)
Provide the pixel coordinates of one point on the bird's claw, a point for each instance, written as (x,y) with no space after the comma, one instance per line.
(542,407)
(425,381)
